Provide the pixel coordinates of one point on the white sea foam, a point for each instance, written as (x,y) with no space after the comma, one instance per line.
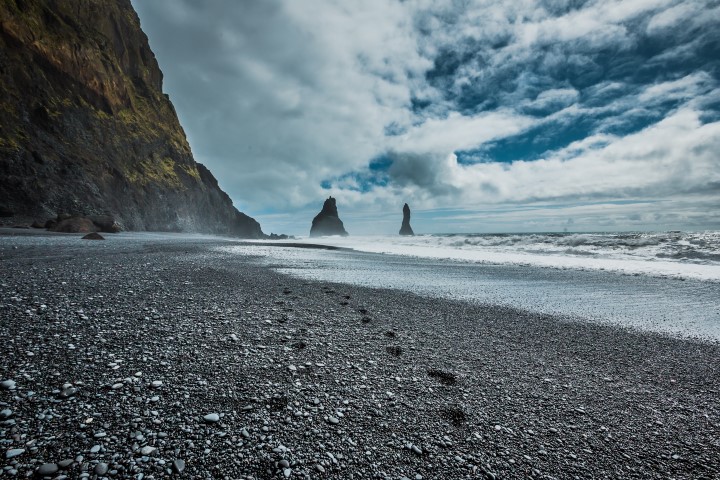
(670,254)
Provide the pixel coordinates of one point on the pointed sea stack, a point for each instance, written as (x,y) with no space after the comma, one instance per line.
(327,221)
(406,229)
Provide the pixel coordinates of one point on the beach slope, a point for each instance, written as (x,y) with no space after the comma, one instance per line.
(160,355)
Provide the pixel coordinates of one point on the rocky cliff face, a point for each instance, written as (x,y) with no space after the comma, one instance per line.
(327,222)
(85,127)
(405,228)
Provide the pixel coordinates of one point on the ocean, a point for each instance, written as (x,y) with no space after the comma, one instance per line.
(666,282)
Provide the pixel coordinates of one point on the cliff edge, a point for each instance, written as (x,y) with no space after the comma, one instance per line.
(85,127)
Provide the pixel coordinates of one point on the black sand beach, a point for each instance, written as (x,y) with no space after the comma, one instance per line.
(142,359)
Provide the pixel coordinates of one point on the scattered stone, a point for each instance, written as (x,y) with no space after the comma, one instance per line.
(14,452)
(178,465)
(68,392)
(47,469)
(101,468)
(212,418)
(8,384)
(147,450)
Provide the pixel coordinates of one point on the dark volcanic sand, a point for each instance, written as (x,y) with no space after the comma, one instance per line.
(322,380)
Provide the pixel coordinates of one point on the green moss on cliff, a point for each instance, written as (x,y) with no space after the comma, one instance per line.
(85,126)
(165,172)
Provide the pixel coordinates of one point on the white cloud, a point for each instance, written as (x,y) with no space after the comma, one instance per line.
(280,95)
(673,156)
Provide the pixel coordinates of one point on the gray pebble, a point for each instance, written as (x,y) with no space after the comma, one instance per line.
(47,469)
(178,465)
(101,469)
(14,452)
(212,418)
(8,384)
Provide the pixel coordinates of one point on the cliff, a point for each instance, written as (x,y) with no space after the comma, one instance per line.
(327,222)
(85,127)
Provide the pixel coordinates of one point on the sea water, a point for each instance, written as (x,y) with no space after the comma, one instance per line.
(665,282)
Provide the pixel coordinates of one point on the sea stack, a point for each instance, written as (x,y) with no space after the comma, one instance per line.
(327,222)
(406,229)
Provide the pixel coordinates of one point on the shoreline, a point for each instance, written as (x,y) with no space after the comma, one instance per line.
(355,381)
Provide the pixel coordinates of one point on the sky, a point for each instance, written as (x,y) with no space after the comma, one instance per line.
(484,116)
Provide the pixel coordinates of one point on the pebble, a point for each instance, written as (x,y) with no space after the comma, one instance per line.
(156,384)
(320,468)
(147,450)
(178,465)
(333,420)
(212,418)
(8,384)
(5,413)
(14,452)
(101,469)
(68,392)
(47,469)
(95,448)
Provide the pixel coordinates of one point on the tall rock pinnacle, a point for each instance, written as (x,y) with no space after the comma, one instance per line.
(327,222)
(406,229)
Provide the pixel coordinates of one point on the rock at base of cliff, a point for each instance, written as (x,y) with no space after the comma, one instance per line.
(327,222)
(106,223)
(93,236)
(406,229)
(75,225)
(67,223)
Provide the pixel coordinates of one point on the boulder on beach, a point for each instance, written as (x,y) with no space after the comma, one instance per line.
(327,222)
(406,229)
(93,236)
